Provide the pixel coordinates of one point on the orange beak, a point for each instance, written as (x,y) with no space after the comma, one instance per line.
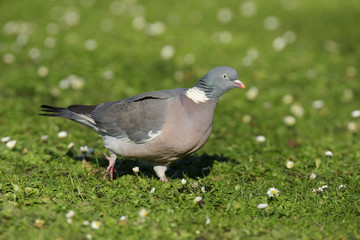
(239,84)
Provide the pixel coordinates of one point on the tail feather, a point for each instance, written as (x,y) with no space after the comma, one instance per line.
(55,112)
(77,113)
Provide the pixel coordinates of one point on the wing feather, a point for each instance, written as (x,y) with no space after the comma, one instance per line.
(137,119)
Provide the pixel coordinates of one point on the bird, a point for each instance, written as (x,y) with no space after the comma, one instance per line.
(157,127)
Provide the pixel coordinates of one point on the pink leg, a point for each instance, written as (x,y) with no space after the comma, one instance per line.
(164,179)
(160,172)
(111,167)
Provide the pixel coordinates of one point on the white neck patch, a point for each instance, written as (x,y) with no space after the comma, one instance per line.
(197,95)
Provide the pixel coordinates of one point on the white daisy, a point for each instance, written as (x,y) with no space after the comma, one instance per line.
(260,139)
(136,169)
(207,221)
(297,110)
(70,214)
(352,127)
(272,192)
(287,99)
(90,44)
(143,213)
(290,164)
(39,222)
(289,121)
(152,190)
(42,71)
(84,149)
(252,93)
(355,113)
(70,220)
(95,225)
(317,104)
(312,175)
(44,138)
(62,134)
(197,199)
(5,139)
(246,118)
(329,154)
(183,181)
(71,145)
(11,144)
(167,52)
(262,205)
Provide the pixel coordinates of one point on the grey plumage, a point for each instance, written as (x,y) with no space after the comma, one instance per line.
(157,127)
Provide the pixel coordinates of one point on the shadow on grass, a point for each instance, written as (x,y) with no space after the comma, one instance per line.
(194,166)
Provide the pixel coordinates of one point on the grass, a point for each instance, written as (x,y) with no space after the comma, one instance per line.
(44,179)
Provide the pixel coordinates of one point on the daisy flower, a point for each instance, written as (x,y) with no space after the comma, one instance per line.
(260,139)
(297,110)
(197,199)
(262,205)
(143,213)
(183,181)
(70,214)
(312,175)
(272,192)
(252,93)
(84,149)
(329,154)
(207,221)
(39,222)
(136,169)
(289,121)
(342,186)
(44,138)
(246,118)
(152,190)
(5,139)
(290,164)
(317,104)
(167,52)
(11,144)
(95,225)
(287,99)
(86,223)
(71,145)
(352,126)
(62,134)
(70,220)
(320,189)
(355,113)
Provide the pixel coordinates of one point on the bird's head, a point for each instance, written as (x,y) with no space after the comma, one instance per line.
(219,80)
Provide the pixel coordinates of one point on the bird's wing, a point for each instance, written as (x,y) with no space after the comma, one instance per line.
(137,119)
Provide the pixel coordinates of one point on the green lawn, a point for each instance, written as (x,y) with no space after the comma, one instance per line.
(297,58)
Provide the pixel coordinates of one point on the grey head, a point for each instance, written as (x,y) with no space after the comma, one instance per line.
(218,81)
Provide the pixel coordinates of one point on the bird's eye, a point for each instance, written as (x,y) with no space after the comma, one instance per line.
(224,75)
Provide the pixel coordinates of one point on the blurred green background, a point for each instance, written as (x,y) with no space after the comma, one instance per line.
(297,58)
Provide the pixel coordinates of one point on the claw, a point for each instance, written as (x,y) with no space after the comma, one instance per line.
(164,179)
(111,166)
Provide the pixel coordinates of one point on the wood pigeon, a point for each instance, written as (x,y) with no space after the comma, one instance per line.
(156,127)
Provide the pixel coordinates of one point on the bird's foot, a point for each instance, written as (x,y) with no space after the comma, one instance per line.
(111,166)
(160,172)
(164,179)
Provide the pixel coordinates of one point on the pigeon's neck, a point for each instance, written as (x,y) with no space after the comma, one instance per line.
(210,91)
(197,95)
